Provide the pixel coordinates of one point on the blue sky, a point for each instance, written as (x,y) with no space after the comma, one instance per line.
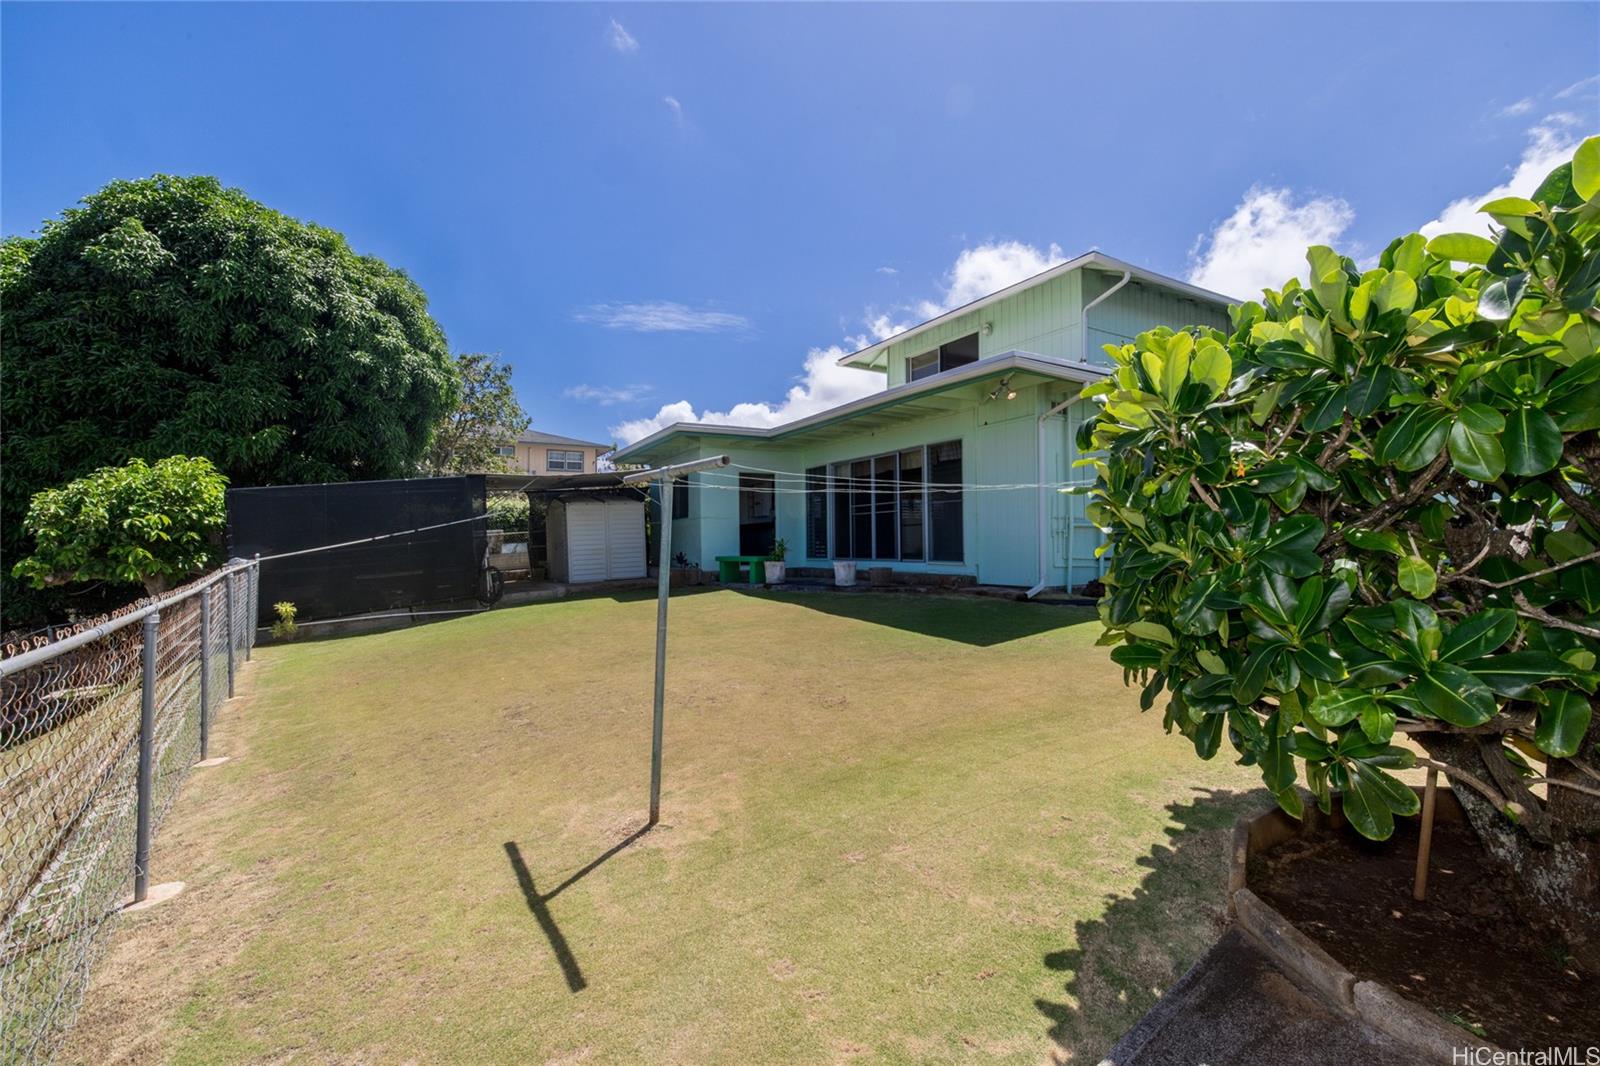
(666,210)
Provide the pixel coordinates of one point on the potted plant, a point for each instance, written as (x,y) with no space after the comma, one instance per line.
(683,571)
(774,565)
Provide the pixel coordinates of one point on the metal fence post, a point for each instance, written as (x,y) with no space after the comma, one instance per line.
(147,726)
(255,607)
(205,671)
(227,609)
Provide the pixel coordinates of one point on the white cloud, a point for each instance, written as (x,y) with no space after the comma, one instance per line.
(977,272)
(824,384)
(1550,144)
(608,395)
(661,316)
(989,268)
(676,109)
(1521,107)
(1263,243)
(621,39)
(887,270)
(1593,81)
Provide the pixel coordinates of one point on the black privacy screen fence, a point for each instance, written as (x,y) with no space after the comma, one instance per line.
(416,568)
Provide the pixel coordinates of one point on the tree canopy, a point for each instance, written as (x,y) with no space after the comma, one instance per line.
(487,415)
(172,315)
(1370,511)
(154,525)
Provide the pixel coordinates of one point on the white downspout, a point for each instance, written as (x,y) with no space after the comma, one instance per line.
(1044,504)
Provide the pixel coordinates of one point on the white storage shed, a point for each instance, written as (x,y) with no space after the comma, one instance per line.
(598,539)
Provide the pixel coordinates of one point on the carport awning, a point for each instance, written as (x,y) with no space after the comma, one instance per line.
(550,484)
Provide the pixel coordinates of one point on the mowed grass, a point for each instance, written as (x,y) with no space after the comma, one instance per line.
(894,829)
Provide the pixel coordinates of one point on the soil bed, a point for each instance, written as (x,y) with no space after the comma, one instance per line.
(1463,954)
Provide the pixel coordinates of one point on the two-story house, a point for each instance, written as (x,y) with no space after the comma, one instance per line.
(954,467)
(534,452)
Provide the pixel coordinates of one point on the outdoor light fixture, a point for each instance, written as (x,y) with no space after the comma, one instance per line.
(1005,387)
(988,329)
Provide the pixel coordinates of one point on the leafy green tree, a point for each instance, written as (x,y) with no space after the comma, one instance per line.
(172,315)
(468,438)
(1371,513)
(151,524)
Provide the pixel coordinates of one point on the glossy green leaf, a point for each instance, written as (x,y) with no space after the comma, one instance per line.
(1417,577)
(1462,247)
(1563,721)
(1476,454)
(1532,442)
(1340,705)
(1512,675)
(1586,168)
(1478,635)
(1453,695)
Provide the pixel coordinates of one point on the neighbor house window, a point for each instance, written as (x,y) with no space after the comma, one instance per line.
(507,451)
(956,353)
(680,498)
(903,505)
(817,512)
(559,460)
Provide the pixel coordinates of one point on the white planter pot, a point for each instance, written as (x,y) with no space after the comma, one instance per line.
(844,574)
(774,572)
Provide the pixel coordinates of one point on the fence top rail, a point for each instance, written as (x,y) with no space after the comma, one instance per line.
(49,651)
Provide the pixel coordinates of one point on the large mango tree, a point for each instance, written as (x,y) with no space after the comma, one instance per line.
(1361,532)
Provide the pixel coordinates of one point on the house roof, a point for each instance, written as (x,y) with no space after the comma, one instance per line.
(534,436)
(867,357)
(910,400)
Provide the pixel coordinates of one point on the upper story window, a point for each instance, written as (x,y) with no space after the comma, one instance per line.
(508,451)
(958,352)
(565,461)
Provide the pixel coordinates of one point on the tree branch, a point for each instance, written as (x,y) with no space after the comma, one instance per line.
(1477,783)
(1528,610)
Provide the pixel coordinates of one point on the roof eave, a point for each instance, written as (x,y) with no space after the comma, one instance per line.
(867,358)
(992,365)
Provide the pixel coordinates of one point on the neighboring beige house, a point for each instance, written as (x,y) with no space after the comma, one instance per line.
(546,453)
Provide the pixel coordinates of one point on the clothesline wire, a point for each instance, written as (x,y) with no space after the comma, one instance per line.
(708,480)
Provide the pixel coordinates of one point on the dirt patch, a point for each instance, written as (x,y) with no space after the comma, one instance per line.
(1463,953)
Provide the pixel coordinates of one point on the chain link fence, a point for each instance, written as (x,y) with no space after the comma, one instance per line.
(99,726)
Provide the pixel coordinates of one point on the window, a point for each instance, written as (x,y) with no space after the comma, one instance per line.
(560,460)
(911,511)
(903,505)
(922,366)
(959,352)
(944,502)
(507,451)
(817,513)
(680,498)
(861,509)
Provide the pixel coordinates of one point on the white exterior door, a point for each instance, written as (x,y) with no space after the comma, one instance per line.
(605,540)
(624,539)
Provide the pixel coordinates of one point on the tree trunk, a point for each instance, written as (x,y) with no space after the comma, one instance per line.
(156,585)
(1552,855)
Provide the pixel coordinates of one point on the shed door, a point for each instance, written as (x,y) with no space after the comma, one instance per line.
(625,538)
(586,541)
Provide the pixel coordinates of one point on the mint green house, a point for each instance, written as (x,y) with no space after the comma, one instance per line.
(952,469)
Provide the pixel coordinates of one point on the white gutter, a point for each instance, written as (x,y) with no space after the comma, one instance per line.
(1044,500)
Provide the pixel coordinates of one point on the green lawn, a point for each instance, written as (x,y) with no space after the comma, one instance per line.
(895,829)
